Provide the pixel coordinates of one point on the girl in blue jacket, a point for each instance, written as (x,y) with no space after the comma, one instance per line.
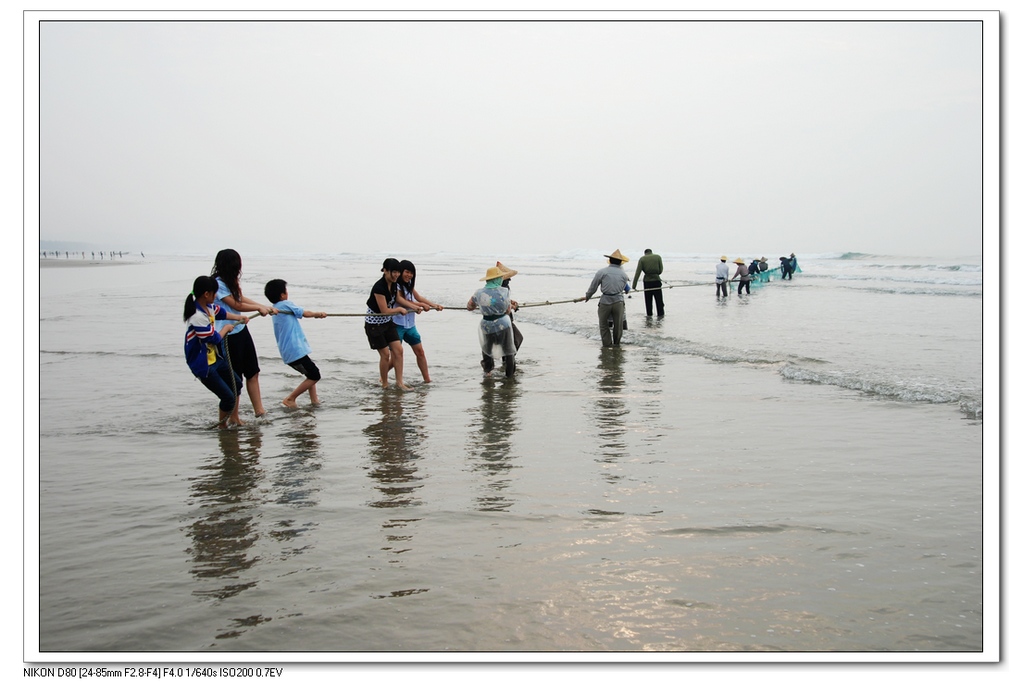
(203,351)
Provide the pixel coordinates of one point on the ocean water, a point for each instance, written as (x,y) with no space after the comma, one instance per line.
(794,471)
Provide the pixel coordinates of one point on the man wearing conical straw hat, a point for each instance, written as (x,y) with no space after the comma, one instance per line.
(614,285)
(495,333)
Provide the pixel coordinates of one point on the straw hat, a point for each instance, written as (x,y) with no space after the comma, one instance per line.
(724,258)
(763,259)
(492,273)
(617,255)
(506,271)
(739,261)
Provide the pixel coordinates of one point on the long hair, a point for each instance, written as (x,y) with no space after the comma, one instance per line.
(202,285)
(228,267)
(409,266)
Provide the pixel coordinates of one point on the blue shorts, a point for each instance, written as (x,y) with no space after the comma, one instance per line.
(410,335)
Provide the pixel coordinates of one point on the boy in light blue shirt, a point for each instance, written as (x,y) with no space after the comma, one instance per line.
(291,341)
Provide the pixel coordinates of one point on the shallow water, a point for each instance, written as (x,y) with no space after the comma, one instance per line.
(798,470)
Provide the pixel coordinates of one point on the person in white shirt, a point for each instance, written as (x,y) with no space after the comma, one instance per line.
(721,277)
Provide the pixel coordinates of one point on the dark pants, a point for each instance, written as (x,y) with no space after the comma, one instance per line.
(743,283)
(610,318)
(722,288)
(218,380)
(652,293)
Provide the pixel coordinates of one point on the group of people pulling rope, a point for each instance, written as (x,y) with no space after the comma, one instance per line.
(220,352)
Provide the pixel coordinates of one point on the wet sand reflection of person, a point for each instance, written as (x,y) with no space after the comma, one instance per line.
(224,534)
(296,480)
(490,449)
(649,404)
(393,467)
(611,409)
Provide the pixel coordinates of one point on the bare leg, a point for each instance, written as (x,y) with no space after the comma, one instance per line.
(385,364)
(252,387)
(292,400)
(421,362)
(398,360)
(313,398)
(229,419)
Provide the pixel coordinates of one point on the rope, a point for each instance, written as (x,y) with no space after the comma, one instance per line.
(234,384)
(524,305)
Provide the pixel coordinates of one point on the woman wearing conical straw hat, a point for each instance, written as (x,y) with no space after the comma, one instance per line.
(495,331)
(614,285)
(741,272)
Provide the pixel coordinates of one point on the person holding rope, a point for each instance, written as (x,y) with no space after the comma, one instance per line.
(721,277)
(614,285)
(495,331)
(227,269)
(651,266)
(381,331)
(741,272)
(291,341)
(411,299)
(204,347)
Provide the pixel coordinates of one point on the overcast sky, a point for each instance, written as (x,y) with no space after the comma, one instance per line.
(539,136)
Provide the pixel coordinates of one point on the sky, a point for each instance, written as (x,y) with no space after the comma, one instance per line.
(549,136)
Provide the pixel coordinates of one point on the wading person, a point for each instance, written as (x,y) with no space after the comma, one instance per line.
(203,347)
(721,277)
(741,272)
(651,267)
(495,331)
(416,303)
(381,331)
(227,269)
(614,285)
(291,341)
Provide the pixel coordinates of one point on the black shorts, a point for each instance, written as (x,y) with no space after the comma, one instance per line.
(307,367)
(243,354)
(380,336)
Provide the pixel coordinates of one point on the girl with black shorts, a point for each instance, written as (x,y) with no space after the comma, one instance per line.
(381,331)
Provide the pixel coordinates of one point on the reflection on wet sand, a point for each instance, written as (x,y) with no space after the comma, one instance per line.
(392,449)
(296,479)
(650,372)
(393,442)
(490,447)
(224,534)
(611,409)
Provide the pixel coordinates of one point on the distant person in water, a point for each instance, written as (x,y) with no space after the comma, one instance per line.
(204,347)
(381,331)
(786,267)
(410,299)
(495,331)
(291,341)
(227,269)
(741,272)
(721,277)
(651,267)
(613,282)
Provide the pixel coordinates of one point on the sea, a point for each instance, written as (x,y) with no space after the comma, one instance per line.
(796,472)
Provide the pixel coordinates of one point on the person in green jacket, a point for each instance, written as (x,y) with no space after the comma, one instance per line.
(651,267)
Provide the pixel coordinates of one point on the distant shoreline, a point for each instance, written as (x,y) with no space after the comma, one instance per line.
(80,263)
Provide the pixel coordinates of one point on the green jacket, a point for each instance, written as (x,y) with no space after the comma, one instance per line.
(650,266)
